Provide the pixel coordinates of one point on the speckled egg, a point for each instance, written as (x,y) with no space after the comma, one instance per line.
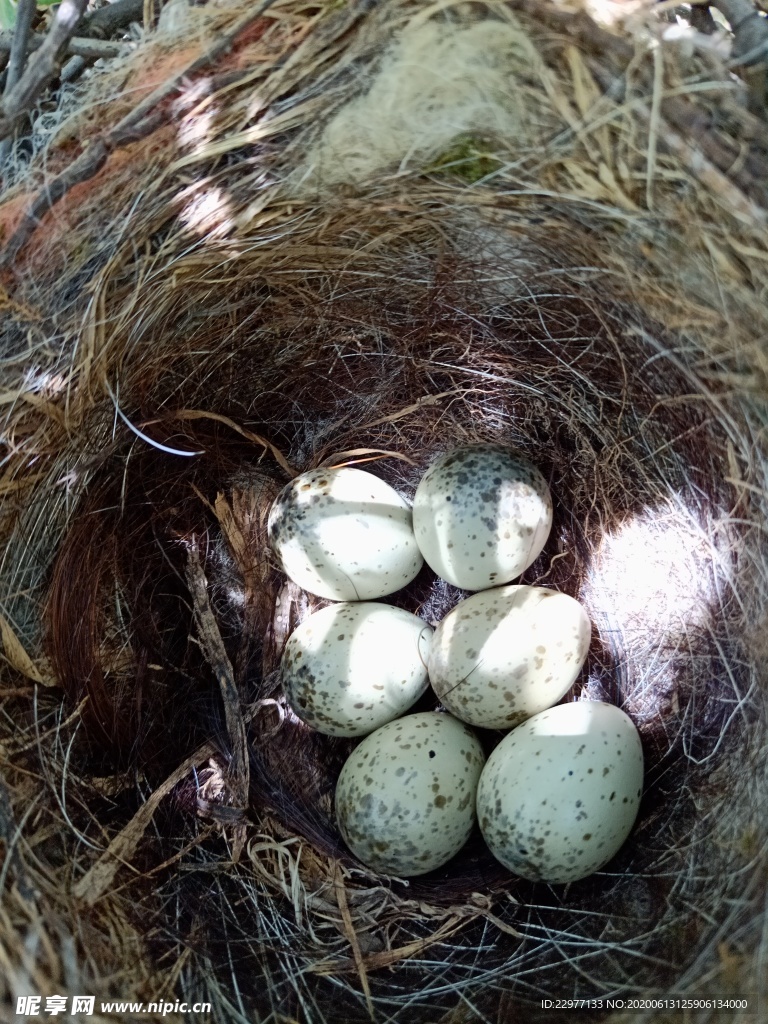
(405,799)
(344,534)
(560,794)
(481,515)
(351,668)
(502,655)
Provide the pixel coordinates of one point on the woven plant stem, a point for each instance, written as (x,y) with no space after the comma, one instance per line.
(25,13)
(167,89)
(142,120)
(85,167)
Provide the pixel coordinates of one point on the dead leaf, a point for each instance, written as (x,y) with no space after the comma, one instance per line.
(18,657)
(101,875)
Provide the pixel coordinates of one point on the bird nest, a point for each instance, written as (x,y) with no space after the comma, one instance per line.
(298,235)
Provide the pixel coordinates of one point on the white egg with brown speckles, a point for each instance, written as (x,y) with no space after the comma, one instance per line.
(405,799)
(502,655)
(344,534)
(351,668)
(481,515)
(560,794)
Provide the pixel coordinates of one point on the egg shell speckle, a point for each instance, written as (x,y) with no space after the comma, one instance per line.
(344,534)
(503,655)
(481,515)
(560,794)
(351,668)
(405,799)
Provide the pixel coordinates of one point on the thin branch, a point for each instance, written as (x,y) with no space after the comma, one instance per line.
(707,157)
(169,87)
(73,68)
(94,31)
(695,123)
(25,13)
(79,46)
(103,23)
(40,71)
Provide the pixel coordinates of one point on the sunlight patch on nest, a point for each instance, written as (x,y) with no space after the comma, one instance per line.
(651,586)
(197,118)
(609,13)
(45,383)
(207,212)
(653,573)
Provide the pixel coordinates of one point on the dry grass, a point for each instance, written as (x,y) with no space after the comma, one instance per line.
(590,288)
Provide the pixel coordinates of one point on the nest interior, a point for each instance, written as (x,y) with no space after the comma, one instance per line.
(364,235)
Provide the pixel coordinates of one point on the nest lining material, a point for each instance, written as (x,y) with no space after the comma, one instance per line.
(265,280)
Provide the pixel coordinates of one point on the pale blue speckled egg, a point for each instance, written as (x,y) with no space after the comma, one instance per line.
(481,515)
(405,799)
(352,667)
(560,794)
(505,654)
(344,534)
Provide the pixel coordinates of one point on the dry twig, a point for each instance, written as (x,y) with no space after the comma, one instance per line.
(25,13)
(18,45)
(218,659)
(78,46)
(43,68)
(100,876)
(104,22)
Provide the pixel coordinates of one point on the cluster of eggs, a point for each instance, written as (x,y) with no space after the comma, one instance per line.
(559,794)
